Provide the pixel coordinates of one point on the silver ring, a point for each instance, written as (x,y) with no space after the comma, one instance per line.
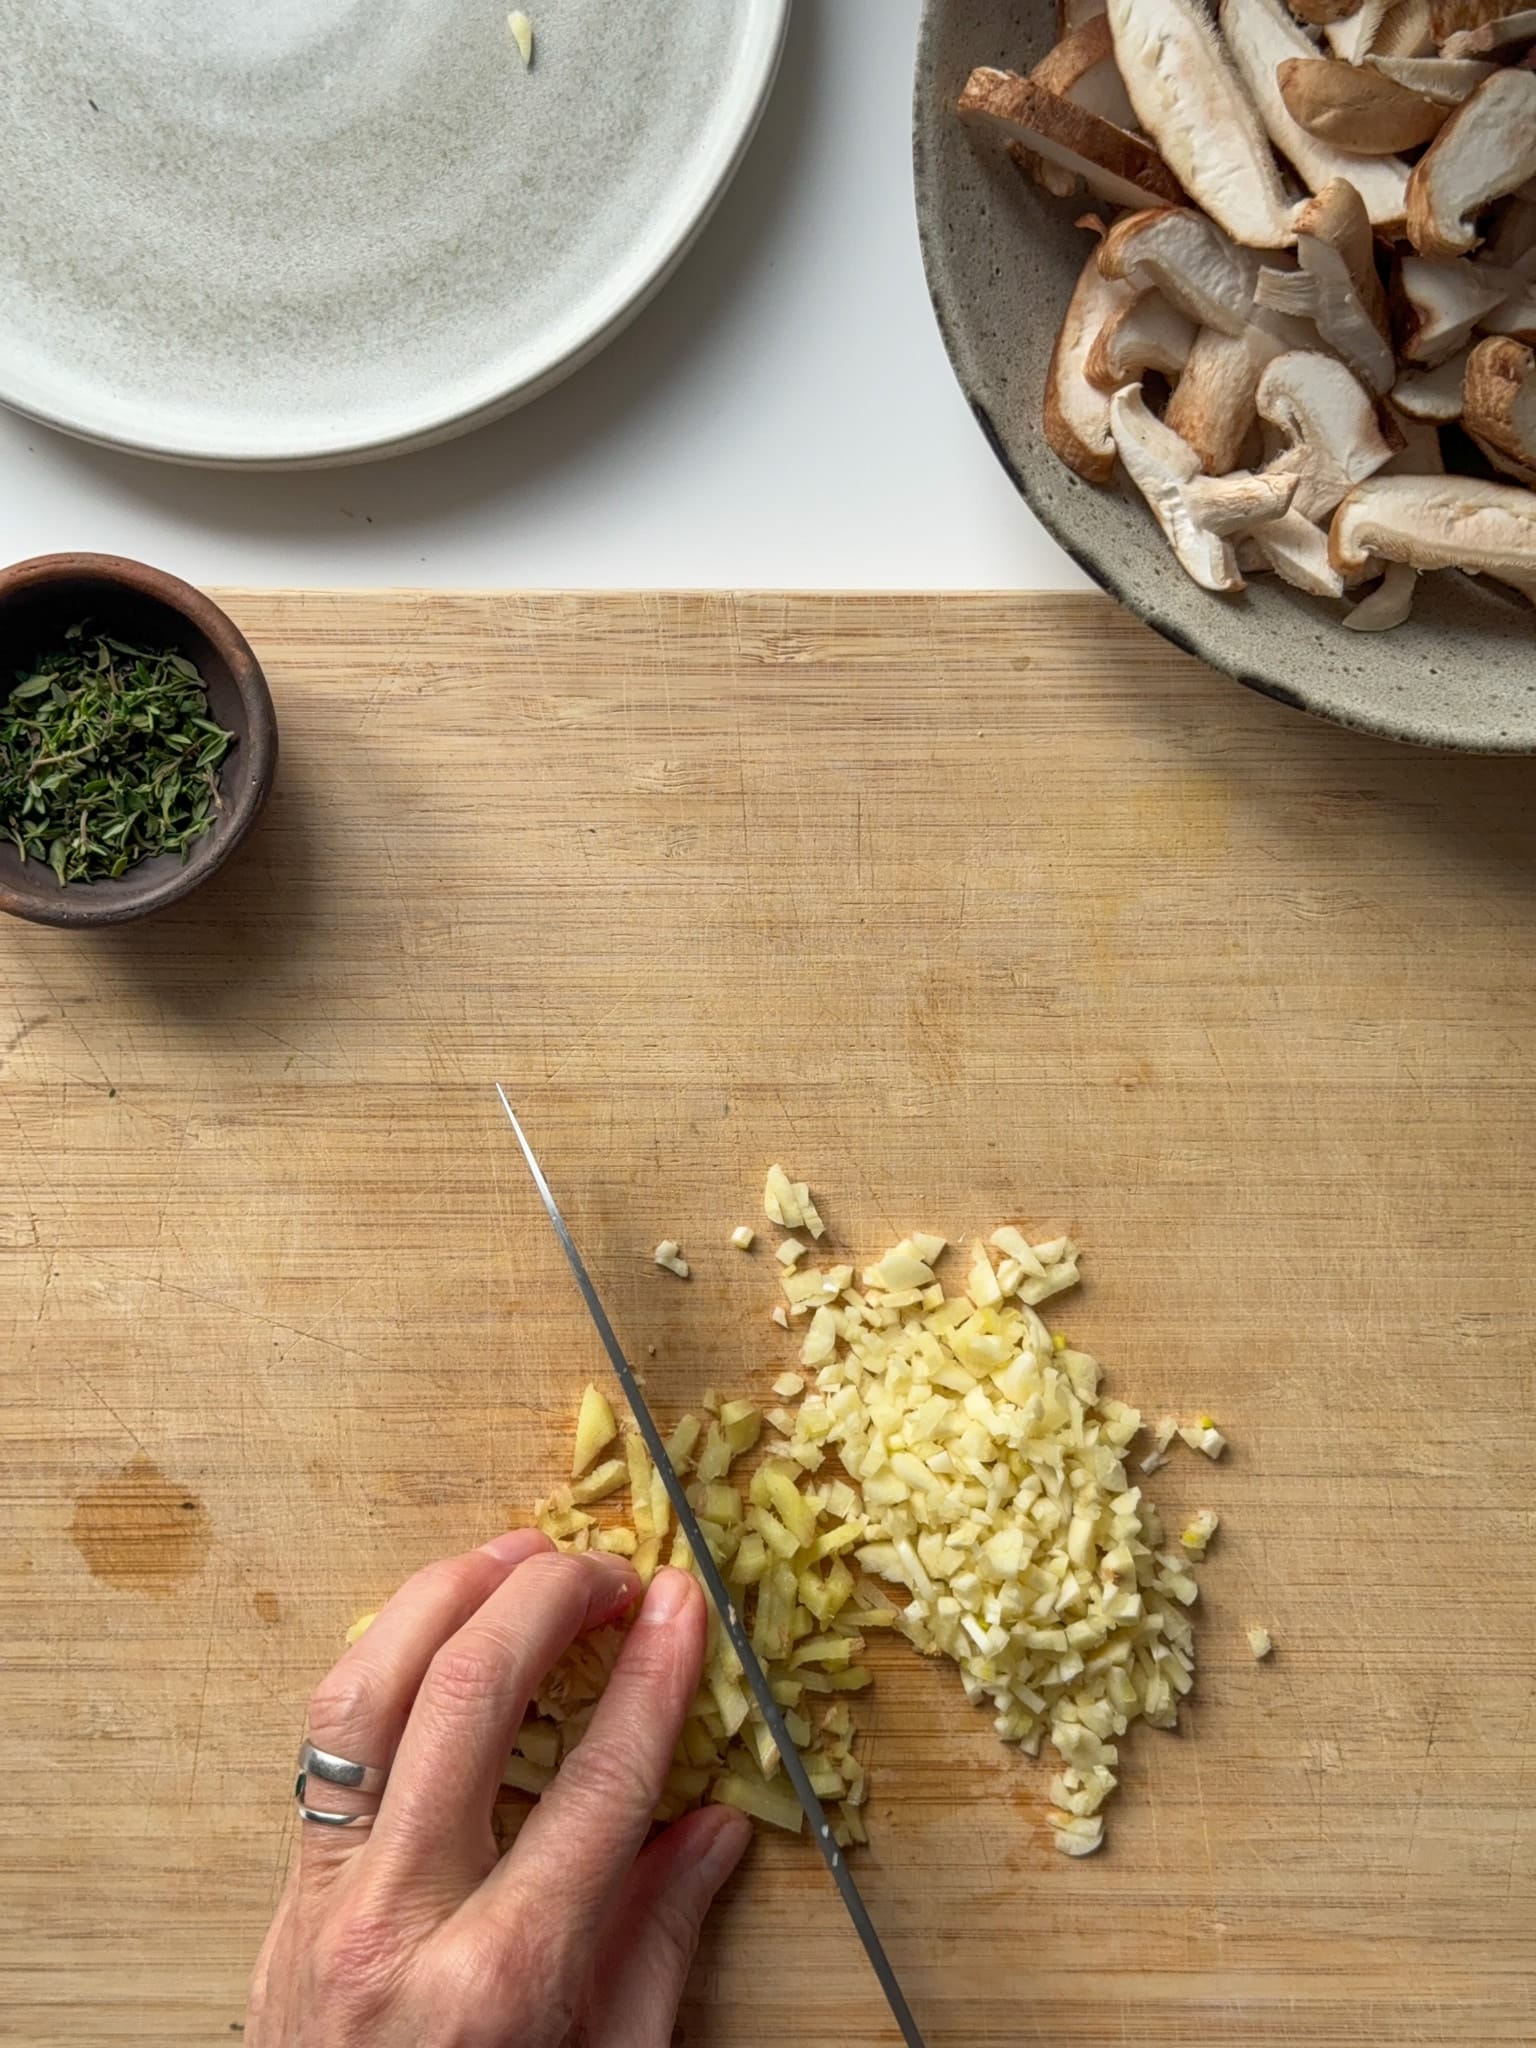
(335,1770)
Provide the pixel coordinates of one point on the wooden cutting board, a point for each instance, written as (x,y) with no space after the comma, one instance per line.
(962,908)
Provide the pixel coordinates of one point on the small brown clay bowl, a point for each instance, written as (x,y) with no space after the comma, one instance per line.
(39,601)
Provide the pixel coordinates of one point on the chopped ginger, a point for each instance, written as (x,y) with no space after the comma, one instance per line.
(595,1429)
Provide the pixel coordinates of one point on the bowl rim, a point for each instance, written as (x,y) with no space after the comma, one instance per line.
(971,379)
(78,904)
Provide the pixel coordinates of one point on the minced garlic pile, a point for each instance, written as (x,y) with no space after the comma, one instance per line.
(982,1475)
(990,1469)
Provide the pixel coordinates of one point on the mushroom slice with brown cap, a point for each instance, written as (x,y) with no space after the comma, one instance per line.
(1500,408)
(1112,163)
(1439,304)
(1331,424)
(1082,68)
(1076,413)
(1335,285)
(1357,109)
(1196,108)
(1486,148)
(1445,82)
(1261,37)
(1185,256)
(1509,36)
(1433,395)
(1148,334)
(1200,515)
(1215,401)
(1437,522)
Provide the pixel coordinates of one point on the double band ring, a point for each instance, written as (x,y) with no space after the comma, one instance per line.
(335,1770)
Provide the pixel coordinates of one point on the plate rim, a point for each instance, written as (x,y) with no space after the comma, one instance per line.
(746,98)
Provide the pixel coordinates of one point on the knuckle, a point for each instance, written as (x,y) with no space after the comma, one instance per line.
(610,1775)
(468,1577)
(346,1698)
(468,1672)
(560,1571)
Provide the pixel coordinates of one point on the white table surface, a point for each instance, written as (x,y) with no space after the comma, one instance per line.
(782,415)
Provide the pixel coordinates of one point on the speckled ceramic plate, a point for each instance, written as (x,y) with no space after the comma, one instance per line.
(1002,257)
(281,232)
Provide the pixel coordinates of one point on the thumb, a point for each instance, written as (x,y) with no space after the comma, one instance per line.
(638,1983)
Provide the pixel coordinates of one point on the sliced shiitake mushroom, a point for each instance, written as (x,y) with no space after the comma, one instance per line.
(1486,149)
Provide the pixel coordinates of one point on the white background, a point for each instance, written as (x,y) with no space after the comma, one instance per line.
(783,415)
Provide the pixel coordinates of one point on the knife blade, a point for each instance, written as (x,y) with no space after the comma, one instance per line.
(725,1607)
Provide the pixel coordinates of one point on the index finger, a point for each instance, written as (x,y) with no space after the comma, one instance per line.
(582,1837)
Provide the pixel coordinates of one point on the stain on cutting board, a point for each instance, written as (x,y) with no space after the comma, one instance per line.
(141,1532)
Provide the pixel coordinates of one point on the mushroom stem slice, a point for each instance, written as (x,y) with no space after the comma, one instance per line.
(1336,286)
(1112,163)
(1433,78)
(1076,415)
(1262,36)
(1441,303)
(1148,334)
(1356,109)
(1389,604)
(1500,408)
(1434,395)
(1393,28)
(1438,522)
(1192,102)
(1297,550)
(1200,515)
(1506,37)
(1486,148)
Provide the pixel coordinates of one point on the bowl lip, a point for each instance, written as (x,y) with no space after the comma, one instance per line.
(1189,640)
(78,904)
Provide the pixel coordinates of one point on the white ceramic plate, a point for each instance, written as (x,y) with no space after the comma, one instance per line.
(283,232)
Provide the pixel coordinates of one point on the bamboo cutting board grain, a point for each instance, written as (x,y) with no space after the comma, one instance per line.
(963,908)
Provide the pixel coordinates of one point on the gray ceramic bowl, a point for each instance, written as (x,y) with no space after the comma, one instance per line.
(1001,257)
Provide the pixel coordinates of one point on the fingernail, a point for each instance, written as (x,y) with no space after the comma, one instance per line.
(513,1546)
(665,1601)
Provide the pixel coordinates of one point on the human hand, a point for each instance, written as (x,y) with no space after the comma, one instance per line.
(410,1930)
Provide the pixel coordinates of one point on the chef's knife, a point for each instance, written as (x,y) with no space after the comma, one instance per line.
(731,1621)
